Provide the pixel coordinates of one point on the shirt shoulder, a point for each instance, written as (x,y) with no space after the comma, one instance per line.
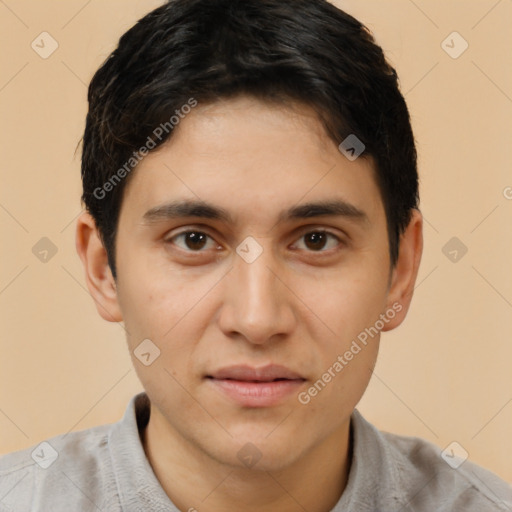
(441,480)
(68,468)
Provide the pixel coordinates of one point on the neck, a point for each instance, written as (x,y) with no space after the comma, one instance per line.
(194,481)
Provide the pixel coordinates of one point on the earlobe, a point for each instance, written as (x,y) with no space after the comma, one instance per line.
(99,279)
(405,272)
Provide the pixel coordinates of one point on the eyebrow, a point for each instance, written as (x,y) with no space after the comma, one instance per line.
(197,208)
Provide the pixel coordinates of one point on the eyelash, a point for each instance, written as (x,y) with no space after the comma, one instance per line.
(197,231)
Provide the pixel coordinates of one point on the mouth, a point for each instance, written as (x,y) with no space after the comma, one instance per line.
(268,373)
(256,387)
(251,380)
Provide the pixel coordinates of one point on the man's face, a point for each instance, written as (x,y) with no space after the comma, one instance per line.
(300,303)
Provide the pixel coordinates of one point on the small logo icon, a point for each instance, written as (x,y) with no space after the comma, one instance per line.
(44,45)
(249,455)
(44,250)
(454,455)
(146,352)
(352,147)
(454,45)
(44,455)
(454,250)
(249,249)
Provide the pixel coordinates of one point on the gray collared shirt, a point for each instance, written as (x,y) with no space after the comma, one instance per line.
(105,469)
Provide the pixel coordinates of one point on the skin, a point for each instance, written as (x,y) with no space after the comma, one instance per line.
(298,304)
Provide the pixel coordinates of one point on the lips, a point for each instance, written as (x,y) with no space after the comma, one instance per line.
(246,373)
(256,387)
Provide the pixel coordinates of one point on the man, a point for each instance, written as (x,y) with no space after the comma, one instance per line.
(249,173)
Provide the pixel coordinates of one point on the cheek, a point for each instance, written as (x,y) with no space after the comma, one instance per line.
(152,297)
(173,313)
(349,310)
(346,361)
(349,304)
(165,316)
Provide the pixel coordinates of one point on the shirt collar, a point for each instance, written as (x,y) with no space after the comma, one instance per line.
(138,487)
(373,482)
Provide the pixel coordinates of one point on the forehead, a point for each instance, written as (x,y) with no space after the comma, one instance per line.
(252,159)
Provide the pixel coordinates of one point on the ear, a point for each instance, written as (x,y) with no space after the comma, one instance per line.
(404,273)
(98,275)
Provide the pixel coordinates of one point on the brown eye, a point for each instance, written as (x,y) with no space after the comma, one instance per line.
(193,241)
(316,241)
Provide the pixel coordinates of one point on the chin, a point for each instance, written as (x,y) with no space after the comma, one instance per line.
(258,453)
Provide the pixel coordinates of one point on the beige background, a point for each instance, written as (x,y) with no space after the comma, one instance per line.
(444,375)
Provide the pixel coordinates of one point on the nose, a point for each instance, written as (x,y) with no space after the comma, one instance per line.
(258,304)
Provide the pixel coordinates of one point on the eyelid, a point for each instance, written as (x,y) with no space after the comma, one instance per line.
(339,239)
(319,228)
(341,235)
(302,231)
(191,229)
